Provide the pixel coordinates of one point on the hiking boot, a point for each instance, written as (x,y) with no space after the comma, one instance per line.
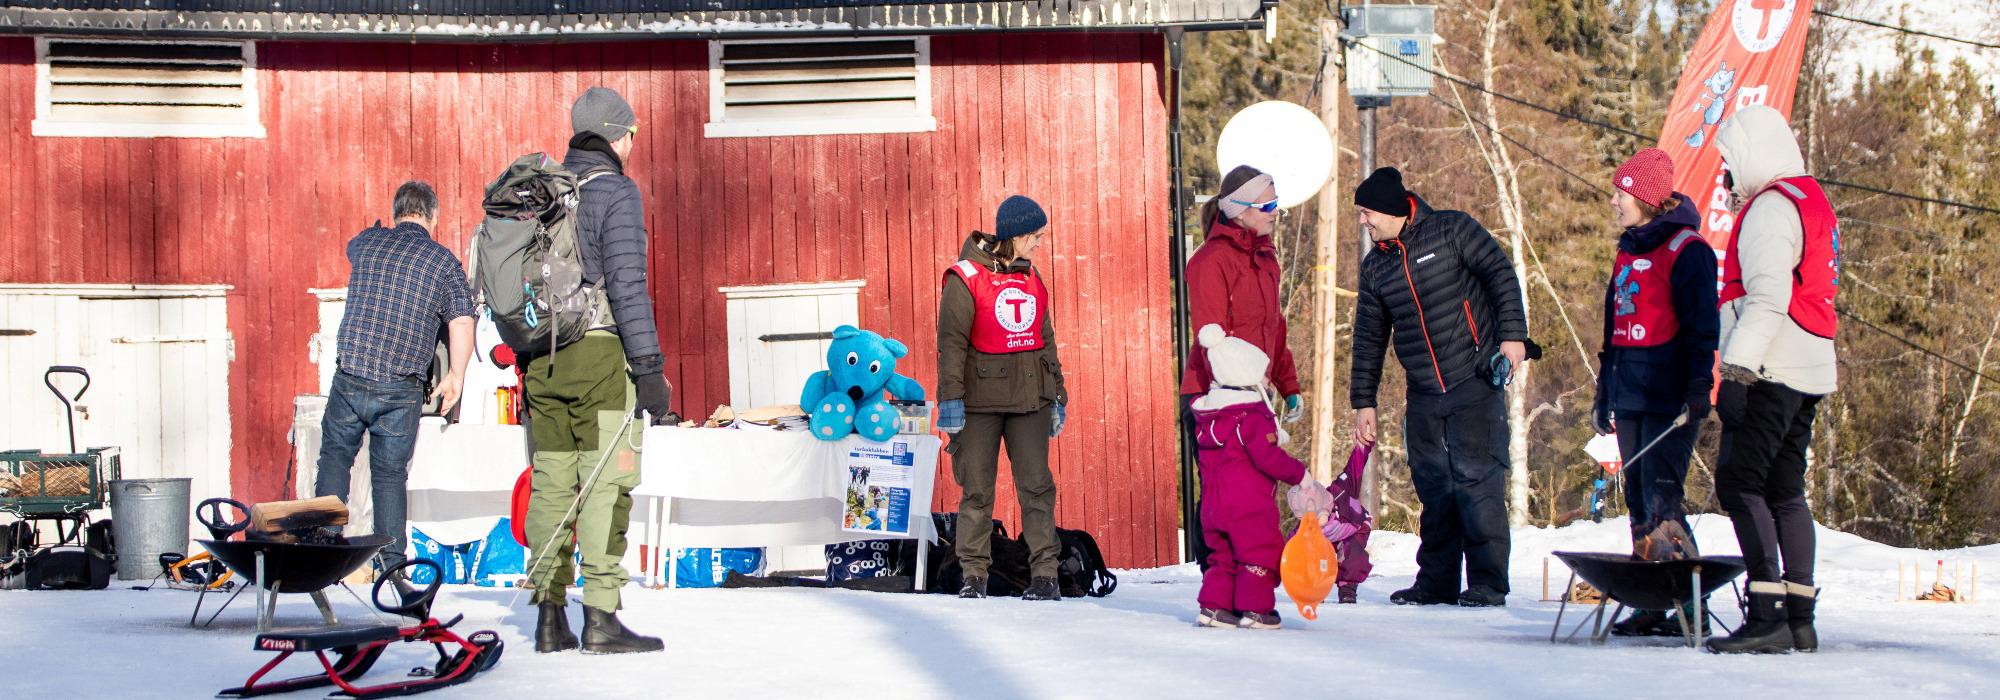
(1482,597)
(1416,596)
(1267,620)
(1642,623)
(1766,628)
(1799,603)
(975,587)
(1217,617)
(1042,588)
(604,634)
(1671,627)
(552,629)
(1349,593)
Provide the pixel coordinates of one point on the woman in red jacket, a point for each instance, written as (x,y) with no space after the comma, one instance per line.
(1232,282)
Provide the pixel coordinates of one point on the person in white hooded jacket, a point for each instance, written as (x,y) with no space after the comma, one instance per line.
(1780,273)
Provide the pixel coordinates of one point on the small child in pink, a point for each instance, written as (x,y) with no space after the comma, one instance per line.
(1241,461)
(1349,524)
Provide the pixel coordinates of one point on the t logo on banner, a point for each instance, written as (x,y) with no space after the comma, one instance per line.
(1760,24)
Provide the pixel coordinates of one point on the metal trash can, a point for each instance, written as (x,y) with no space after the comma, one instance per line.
(149,517)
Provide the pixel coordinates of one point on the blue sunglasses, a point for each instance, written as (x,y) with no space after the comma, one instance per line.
(1266,207)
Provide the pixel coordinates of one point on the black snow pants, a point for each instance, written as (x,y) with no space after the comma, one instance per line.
(1761,478)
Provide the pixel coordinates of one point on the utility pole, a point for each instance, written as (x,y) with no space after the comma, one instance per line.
(1325,264)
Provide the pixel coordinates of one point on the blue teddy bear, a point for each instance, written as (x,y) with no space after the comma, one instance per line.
(847,397)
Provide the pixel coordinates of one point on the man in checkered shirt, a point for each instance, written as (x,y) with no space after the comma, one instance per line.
(403,288)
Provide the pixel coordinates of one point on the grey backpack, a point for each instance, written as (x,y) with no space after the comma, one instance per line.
(528,269)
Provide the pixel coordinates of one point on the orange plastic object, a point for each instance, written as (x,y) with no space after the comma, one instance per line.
(1309,567)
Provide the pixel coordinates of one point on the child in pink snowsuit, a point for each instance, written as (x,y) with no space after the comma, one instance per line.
(1349,524)
(1241,461)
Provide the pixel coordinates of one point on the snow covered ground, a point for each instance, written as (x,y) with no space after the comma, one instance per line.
(1137,643)
(1863,48)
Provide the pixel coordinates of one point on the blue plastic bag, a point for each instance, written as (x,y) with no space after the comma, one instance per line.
(707,568)
(455,561)
(500,557)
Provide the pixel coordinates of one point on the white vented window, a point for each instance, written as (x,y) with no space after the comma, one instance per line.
(105,87)
(819,86)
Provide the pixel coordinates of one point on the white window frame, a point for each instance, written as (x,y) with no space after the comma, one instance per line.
(717,127)
(252,125)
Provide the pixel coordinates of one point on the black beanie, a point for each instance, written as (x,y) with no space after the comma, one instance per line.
(1383,191)
(1018,216)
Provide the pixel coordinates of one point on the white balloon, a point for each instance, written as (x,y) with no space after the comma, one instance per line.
(1284,140)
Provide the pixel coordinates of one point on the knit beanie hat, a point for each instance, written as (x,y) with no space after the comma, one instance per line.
(1233,361)
(1383,191)
(601,111)
(1648,176)
(1018,216)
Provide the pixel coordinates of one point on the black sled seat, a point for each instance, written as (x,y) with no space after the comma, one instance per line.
(1645,585)
(325,638)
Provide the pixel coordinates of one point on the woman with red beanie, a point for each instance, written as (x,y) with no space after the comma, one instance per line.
(1660,327)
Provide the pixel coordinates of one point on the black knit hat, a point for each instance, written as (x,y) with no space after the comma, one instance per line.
(1383,191)
(1018,216)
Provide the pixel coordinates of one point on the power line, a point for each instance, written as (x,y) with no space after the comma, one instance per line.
(1905,30)
(1913,344)
(1605,126)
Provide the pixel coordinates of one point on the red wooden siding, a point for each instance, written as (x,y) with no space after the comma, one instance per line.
(1075,121)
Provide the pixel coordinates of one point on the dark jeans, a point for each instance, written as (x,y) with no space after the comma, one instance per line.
(1458,462)
(1761,477)
(1655,483)
(387,412)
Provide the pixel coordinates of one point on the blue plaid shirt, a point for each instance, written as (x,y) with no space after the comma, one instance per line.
(403,289)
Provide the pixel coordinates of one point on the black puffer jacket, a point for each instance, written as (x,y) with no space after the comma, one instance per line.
(1467,300)
(611,234)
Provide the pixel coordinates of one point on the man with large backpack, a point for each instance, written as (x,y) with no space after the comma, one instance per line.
(571,297)
(1779,277)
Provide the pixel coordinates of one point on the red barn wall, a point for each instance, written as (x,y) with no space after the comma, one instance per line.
(1075,121)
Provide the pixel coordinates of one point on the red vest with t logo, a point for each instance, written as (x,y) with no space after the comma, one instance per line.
(1817,278)
(1642,295)
(1007,308)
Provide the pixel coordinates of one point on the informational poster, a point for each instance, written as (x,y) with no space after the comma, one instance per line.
(879,478)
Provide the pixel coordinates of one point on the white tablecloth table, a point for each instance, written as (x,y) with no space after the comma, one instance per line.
(755,487)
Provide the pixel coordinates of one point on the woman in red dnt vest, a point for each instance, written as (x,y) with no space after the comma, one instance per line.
(999,380)
(1660,326)
(1232,282)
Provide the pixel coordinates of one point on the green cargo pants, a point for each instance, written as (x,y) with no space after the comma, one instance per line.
(975,463)
(579,419)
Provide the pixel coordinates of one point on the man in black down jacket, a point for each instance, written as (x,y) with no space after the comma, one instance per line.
(581,394)
(1439,283)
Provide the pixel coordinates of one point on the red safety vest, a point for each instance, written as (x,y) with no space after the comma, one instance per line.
(1642,295)
(1007,308)
(1817,277)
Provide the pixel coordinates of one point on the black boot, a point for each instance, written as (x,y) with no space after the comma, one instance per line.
(1799,601)
(1418,596)
(1641,623)
(604,634)
(975,587)
(1765,630)
(552,629)
(1042,588)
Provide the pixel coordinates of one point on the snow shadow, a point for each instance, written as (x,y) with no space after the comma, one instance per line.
(956,660)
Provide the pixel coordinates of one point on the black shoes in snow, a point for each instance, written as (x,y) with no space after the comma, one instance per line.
(975,587)
(1260,621)
(1042,588)
(604,634)
(1417,596)
(1482,597)
(1767,626)
(1655,623)
(1349,594)
(1799,603)
(1216,617)
(552,629)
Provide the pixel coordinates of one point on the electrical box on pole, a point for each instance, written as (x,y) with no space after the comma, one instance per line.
(1389,51)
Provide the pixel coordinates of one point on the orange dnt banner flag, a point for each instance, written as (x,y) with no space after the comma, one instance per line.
(1748,54)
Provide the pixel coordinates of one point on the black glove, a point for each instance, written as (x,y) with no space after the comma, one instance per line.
(1697,405)
(1600,415)
(655,398)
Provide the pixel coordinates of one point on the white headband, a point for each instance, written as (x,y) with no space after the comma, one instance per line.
(1255,186)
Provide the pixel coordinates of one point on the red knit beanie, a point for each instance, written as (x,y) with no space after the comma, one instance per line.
(1648,176)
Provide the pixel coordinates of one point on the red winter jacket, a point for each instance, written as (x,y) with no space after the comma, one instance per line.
(1241,462)
(1232,281)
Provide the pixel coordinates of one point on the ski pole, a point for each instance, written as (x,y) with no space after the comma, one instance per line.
(581,493)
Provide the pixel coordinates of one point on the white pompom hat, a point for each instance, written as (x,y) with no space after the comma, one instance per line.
(1233,361)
